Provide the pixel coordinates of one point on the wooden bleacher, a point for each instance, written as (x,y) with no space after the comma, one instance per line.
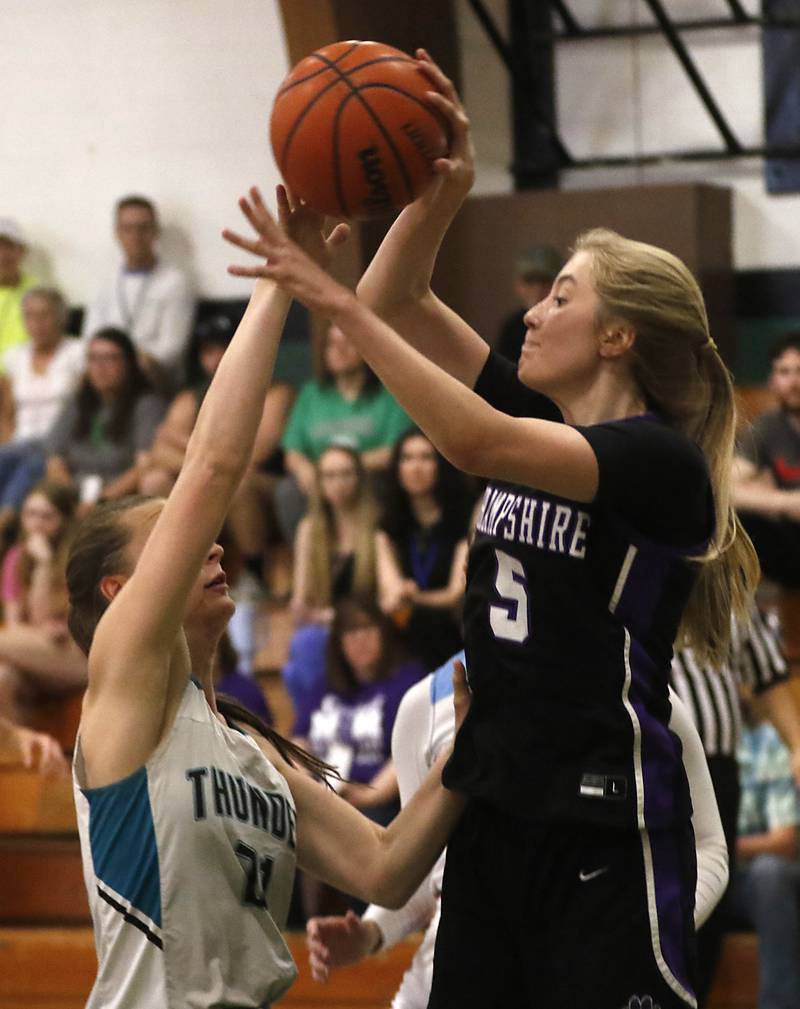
(53,968)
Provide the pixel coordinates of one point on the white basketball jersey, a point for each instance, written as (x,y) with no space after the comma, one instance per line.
(424,726)
(189,864)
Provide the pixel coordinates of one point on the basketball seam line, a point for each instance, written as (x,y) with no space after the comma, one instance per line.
(336,80)
(345,73)
(354,92)
(412,98)
(316,73)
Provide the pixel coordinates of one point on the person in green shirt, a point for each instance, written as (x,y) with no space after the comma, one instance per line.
(347,405)
(13,285)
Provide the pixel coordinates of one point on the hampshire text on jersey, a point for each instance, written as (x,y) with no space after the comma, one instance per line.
(557,527)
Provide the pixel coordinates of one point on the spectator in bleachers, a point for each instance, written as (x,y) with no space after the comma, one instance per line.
(160,466)
(534,273)
(346,405)
(758,667)
(37,653)
(427,515)
(14,282)
(148,298)
(335,555)
(40,376)
(107,426)
(765,884)
(230,682)
(251,523)
(163,461)
(335,549)
(348,718)
(767,471)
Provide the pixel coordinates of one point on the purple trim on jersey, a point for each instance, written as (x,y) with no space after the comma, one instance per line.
(662,769)
(643,588)
(646,544)
(661,757)
(670,887)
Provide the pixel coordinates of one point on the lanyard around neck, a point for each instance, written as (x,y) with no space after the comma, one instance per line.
(130,313)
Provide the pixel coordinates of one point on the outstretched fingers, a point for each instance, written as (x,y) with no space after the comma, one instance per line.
(268,231)
(248,244)
(259,216)
(284,203)
(292,255)
(338,236)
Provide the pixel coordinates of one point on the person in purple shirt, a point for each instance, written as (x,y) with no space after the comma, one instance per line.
(232,683)
(347,718)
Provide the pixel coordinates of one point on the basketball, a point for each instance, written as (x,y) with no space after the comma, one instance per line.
(352,132)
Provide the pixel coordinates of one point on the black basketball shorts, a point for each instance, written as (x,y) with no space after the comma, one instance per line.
(564,917)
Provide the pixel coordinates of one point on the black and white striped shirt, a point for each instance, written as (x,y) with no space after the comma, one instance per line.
(712,695)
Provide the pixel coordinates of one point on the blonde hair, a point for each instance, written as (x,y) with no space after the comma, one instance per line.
(323,532)
(678,369)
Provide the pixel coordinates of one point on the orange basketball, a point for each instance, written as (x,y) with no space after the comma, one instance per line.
(352,132)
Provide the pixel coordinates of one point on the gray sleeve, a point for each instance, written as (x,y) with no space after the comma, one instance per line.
(147,415)
(60,436)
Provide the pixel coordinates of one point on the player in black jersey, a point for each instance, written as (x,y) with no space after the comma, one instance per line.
(606,531)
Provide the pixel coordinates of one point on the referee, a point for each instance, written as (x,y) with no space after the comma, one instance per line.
(757,665)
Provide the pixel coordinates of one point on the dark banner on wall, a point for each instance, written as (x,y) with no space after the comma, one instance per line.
(781,49)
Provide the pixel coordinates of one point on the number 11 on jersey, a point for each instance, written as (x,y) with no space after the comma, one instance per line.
(509,621)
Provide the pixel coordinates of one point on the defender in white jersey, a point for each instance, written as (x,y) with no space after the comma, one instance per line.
(423,729)
(190,821)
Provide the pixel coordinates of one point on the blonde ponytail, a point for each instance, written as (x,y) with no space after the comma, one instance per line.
(678,368)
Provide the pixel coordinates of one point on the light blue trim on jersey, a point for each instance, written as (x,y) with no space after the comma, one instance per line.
(123,842)
(442,679)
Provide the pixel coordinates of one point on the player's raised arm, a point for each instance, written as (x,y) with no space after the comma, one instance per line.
(137,648)
(384,865)
(485,441)
(397,283)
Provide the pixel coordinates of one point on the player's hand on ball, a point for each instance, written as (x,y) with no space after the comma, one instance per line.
(458,168)
(286,262)
(339,941)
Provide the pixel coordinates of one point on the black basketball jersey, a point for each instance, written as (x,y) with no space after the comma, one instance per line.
(570,614)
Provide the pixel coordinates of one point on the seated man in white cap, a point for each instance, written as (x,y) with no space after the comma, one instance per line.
(14,282)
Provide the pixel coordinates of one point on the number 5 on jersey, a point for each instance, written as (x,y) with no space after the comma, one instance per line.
(509,621)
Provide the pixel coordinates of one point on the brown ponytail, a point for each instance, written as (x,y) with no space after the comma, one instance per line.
(98,550)
(293,754)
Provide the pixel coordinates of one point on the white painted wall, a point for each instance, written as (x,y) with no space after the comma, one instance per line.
(172,98)
(632,96)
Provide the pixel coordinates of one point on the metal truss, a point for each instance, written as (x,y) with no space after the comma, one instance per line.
(672,31)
